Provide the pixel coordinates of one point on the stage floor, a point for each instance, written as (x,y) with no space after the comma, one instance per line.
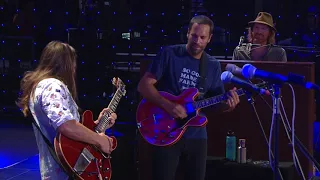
(19,158)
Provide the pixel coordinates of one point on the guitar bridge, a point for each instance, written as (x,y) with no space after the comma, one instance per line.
(83,161)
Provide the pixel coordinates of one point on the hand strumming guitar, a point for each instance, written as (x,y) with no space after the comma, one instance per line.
(105,143)
(176,110)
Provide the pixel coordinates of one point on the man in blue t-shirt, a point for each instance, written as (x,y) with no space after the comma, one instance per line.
(175,69)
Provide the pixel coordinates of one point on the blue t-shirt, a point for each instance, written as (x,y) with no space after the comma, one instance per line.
(176,70)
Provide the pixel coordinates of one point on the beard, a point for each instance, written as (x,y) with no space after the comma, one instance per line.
(259,39)
(195,49)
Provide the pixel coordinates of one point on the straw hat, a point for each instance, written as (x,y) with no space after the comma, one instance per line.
(264,18)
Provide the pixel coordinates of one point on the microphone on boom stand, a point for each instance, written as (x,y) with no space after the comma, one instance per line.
(250,71)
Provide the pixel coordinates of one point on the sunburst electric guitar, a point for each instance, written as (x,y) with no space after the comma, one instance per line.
(83,160)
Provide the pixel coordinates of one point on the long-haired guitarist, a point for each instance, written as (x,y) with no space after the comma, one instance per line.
(175,69)
(49,94)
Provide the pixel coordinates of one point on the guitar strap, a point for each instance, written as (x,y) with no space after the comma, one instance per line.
(203,68)
(52,151)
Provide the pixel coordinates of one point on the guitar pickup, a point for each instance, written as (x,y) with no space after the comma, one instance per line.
(83,161)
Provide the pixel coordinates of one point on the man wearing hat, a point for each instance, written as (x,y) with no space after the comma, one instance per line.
(261,35)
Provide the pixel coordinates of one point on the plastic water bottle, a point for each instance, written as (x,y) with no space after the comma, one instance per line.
(231,146)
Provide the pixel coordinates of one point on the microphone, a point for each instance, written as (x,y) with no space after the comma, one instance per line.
(227,77)
(249,72)
(234,69)
(240,41)
(249,47)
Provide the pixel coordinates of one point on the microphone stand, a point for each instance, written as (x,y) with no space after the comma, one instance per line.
(276,118)
(306,153)
(252,102)
(303,149)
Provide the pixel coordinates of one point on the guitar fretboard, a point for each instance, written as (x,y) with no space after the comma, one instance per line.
(214,100)
(103,123)
(115,101)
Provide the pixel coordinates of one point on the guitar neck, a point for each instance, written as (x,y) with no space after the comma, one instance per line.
(214,100)
(115,101)
(104,121)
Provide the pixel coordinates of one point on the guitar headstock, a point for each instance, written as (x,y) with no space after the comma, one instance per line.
(118,83)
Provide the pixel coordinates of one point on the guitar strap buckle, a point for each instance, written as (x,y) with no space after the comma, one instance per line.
(203,73)
(201,89)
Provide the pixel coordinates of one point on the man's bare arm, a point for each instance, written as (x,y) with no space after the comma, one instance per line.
(147,89)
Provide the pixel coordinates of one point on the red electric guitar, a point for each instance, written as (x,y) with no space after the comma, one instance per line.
(84,160)
(158,128)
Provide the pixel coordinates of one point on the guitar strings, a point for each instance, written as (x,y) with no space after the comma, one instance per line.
(105,121)
(105,118)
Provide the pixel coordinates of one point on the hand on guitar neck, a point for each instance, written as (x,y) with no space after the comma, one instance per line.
(233,100)
(178,111)
(112,117)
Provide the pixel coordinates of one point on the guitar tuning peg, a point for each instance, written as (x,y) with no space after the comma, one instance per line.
(104,94)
